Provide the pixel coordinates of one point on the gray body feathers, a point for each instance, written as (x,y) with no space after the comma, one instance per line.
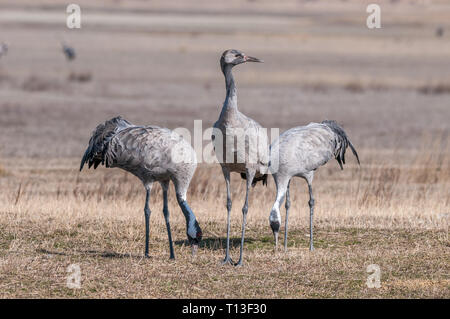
(240,143)
(303,149)
(95,154)
(253,155)
(299,152)
(145,151)
(152,154)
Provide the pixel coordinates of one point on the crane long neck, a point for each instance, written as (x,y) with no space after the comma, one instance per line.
(231,97)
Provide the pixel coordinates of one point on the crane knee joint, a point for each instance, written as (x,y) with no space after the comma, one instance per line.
(229,204)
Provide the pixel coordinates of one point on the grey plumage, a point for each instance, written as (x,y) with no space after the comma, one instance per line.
(299,152)
(152,154)
(249,157)
(342,142)
(68,51)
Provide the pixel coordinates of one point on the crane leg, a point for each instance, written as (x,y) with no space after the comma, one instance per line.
(165,187)
(147,213)
(282,183)
(311,214)
(287,205)
(227,259)
(250,175)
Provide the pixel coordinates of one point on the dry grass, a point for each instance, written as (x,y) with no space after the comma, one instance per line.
(440,88)
(36,84)
(2,171)
(382,213)
(80,77)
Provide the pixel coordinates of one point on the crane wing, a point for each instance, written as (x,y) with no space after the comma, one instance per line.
(98,143)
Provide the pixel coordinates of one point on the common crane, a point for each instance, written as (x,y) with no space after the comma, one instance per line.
(3,49)
(439,31)
(299,152)
(251,161)
(68,51)
(152,154)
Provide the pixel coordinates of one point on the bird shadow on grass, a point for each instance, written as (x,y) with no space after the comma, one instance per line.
(93,253)
(216,243)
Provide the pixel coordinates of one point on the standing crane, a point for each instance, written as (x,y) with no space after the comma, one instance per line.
(152,154)
(3,49)
(68,51)
(232,125)
(299,152)
(439,31)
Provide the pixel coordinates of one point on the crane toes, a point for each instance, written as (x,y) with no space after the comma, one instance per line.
(227,261)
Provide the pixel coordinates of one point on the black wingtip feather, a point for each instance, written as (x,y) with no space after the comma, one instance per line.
(98,144)
(262,178)
(354,152)
(343,141)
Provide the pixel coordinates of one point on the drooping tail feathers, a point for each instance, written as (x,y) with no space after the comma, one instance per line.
(98,144)
(262,178)
(342,142)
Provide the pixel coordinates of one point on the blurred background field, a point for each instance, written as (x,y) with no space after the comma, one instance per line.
(156,62)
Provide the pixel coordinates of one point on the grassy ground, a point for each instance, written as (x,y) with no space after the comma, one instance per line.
(396,218)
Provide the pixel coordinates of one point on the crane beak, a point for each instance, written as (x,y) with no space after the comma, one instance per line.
(252,59)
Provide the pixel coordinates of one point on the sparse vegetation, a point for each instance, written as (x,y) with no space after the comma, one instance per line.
(441,88)
(35,84)
(80,77)
(384,213)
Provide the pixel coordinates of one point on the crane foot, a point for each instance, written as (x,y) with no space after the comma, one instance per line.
(227,261)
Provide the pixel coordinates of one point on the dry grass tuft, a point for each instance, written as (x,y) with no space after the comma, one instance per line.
(36,84)
(2,171)
(422,173)
(4,76)
(355,87)
(80,77)
(440,88)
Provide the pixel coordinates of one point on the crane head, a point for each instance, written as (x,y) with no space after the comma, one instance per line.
(195,241)
(234,57)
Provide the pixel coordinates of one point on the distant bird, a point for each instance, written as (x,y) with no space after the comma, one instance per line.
(251,161)
(299,152)
(152,154)
(3,49)
(68,51)
(440,31)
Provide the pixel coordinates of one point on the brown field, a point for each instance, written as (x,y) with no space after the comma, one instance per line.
(156,62)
